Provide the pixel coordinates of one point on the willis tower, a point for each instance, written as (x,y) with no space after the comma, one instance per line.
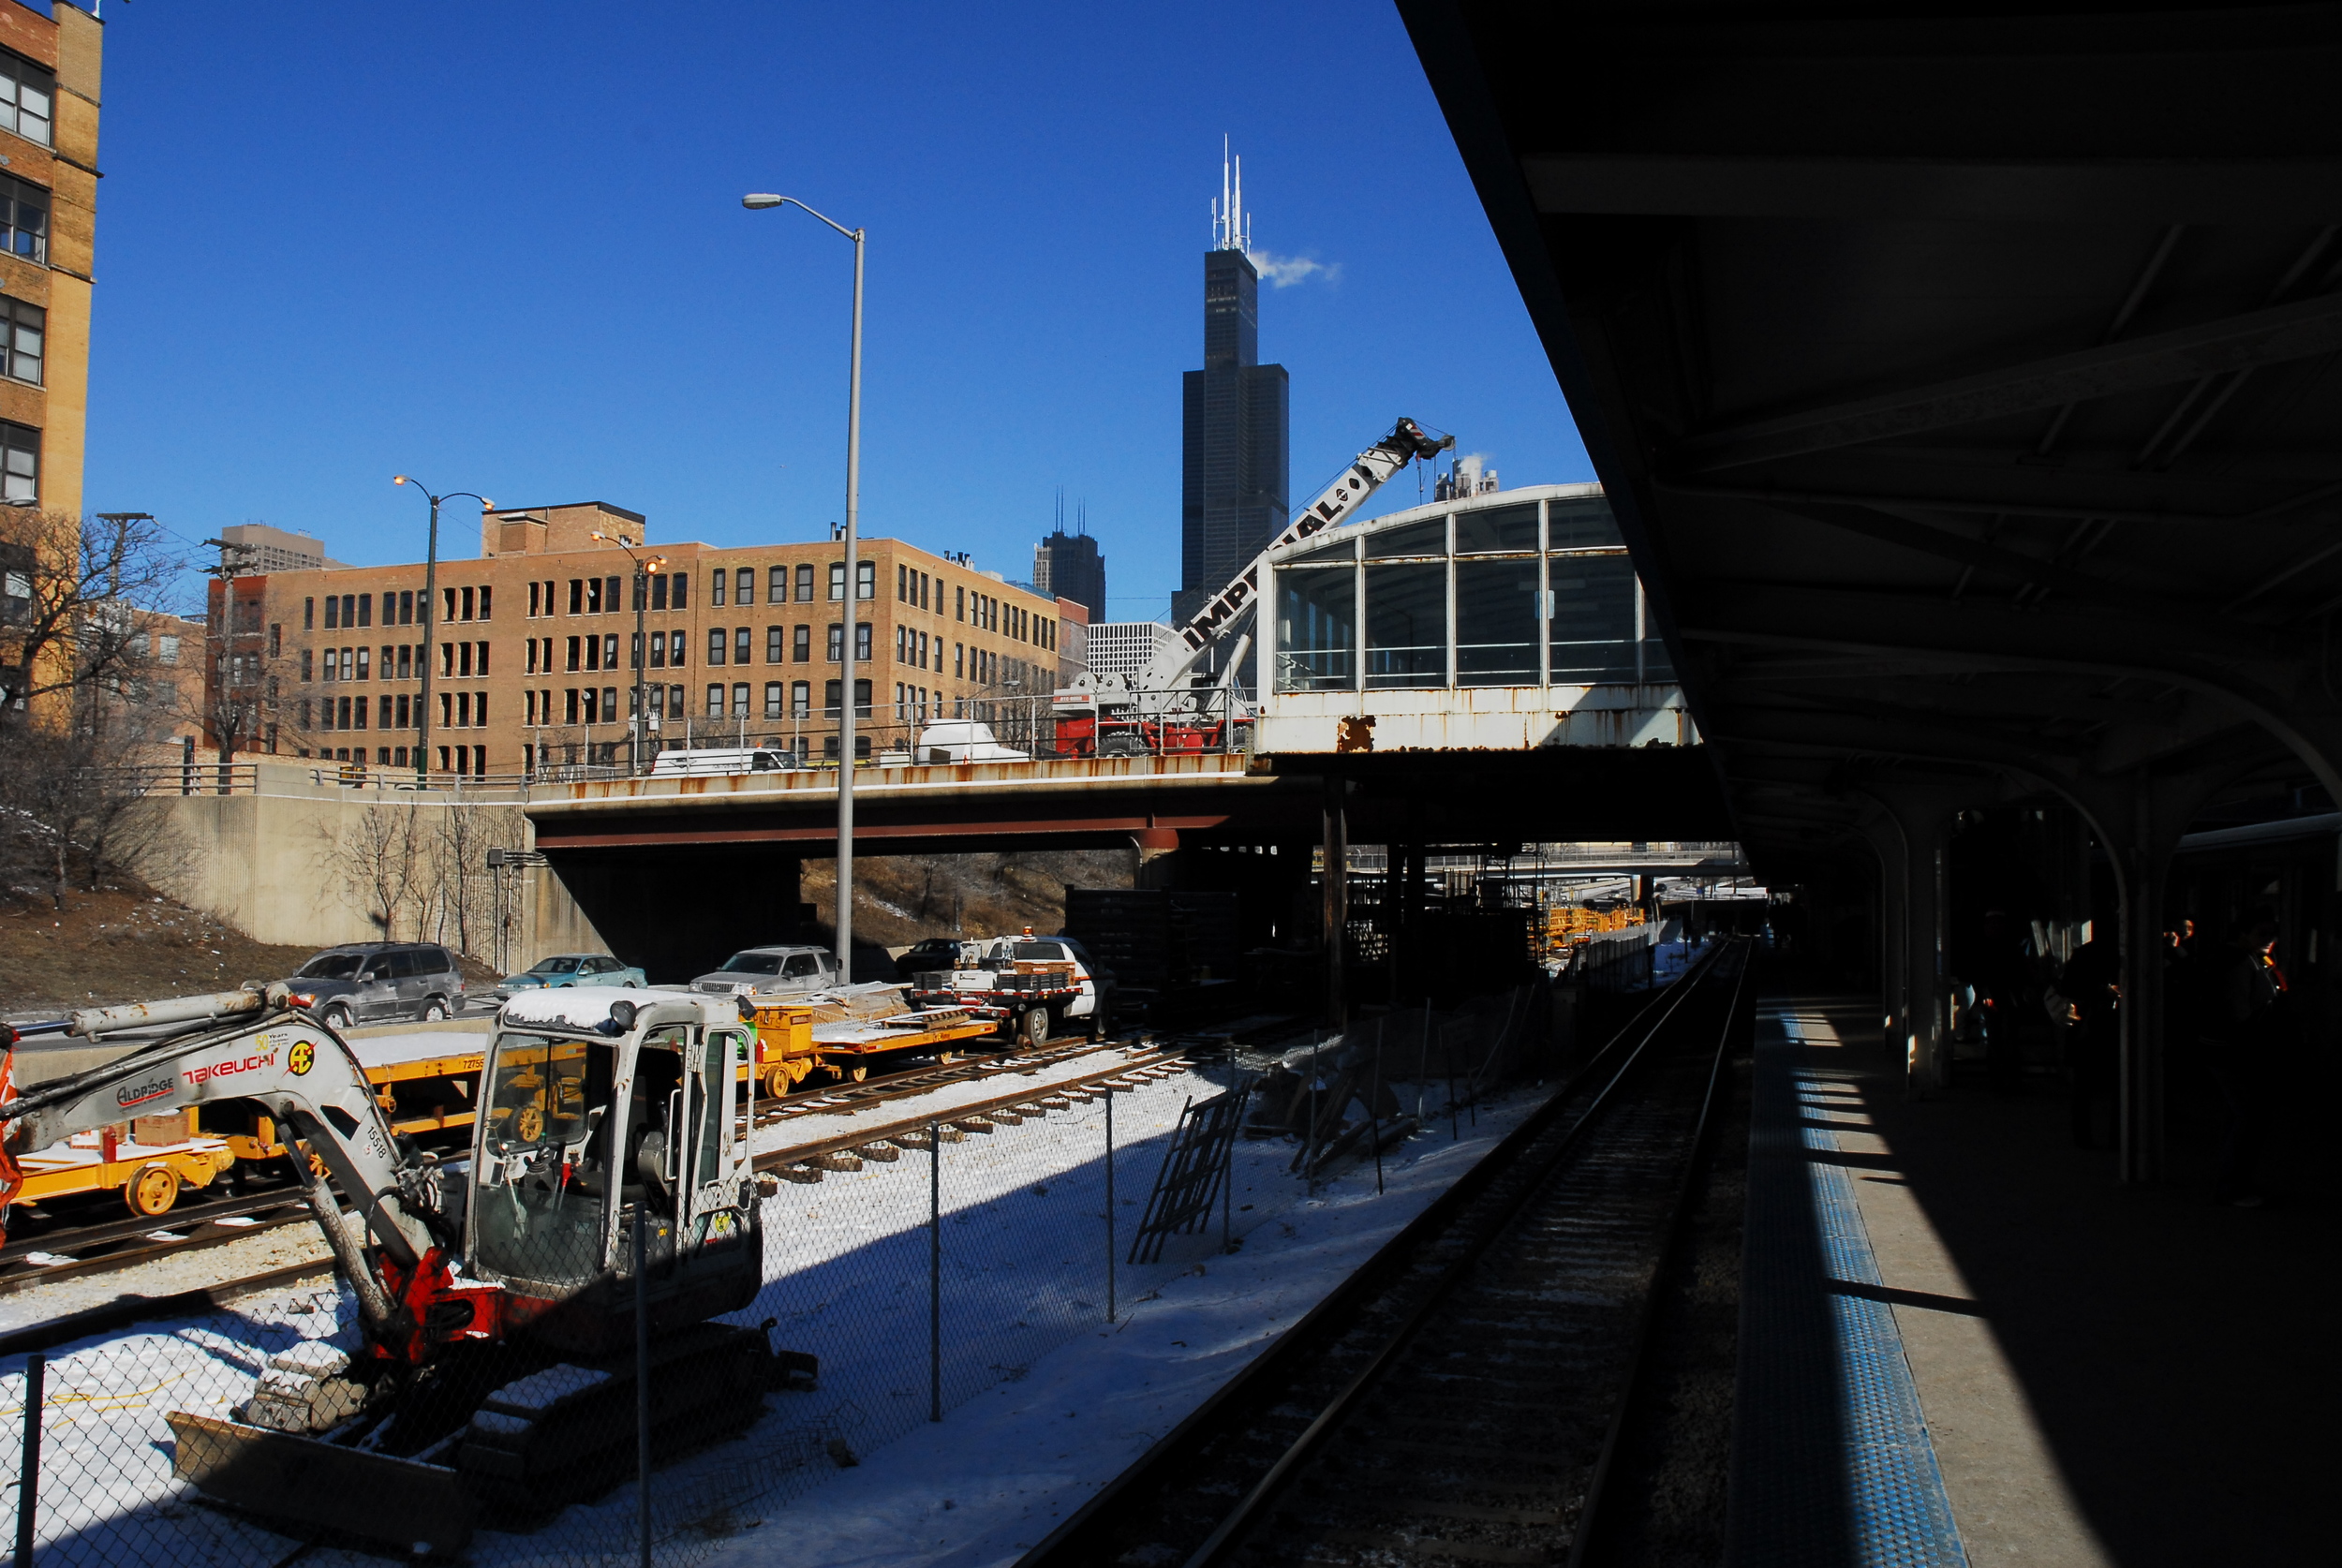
(1233,418)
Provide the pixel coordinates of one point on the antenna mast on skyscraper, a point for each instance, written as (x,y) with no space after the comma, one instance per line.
(1230,225)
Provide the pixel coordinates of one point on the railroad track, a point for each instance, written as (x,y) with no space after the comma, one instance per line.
(120,1243)
(1457,1401)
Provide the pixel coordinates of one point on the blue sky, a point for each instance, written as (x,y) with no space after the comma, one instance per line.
(500,247)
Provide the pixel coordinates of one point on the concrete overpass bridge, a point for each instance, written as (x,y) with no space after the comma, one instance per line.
(1474,673)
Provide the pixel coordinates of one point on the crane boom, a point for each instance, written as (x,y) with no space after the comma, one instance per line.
(1405,443)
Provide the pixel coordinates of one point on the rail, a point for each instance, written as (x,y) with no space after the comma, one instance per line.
(1348,1347)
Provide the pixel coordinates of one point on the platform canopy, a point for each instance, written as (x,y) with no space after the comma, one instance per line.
(1965,379)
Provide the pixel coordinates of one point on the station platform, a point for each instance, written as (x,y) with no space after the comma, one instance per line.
(1963,1341)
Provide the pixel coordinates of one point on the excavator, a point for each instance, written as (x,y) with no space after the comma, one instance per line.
(496,1296)
(1175,704)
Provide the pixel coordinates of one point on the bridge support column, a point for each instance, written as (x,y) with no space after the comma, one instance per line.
(1158,857)
(1336,921)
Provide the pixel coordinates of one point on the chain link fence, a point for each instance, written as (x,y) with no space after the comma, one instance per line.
(920,1269)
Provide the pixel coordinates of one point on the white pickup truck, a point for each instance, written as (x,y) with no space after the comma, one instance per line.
(1030,986)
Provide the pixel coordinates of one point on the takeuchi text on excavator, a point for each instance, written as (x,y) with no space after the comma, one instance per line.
(497,1295)
(1177,704)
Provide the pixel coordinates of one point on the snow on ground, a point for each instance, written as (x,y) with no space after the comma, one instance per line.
(1043,1400)
(1004,1468)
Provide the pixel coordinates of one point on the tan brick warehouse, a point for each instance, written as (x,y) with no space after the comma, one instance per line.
(535,646)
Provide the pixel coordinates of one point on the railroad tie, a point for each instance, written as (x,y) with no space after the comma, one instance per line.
(1053,1103)
(970,1124)
(838,1159)
(806,1174)
(1005,1118)
(883,1153)
(1033,1113)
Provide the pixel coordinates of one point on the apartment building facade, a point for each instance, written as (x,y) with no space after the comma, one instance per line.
(50,68)
(534,657)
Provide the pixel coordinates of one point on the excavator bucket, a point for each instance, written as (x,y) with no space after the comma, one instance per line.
(422,1510)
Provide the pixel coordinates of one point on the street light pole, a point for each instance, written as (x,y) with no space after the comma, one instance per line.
(643,569)
(852,593)
(430,605)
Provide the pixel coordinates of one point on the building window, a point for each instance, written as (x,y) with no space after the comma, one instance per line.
(740,639)
(26,93)
(20,463)
(364,664)
(715,701)
(23,219)
(837,581)
(740,701)
(675,646)
(801,645)
(772,698)
(577,595)
(862,642)
(959,604)
(866,580)
(776,585)
(744,587)
(836,653)
(609,652)
(717,642)
(959,660)
(22,329)
(717,581)
(804,583)
(800,699)
(675,702)
(773,635)
(658,592)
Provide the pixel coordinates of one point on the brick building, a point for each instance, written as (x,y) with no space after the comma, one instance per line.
(535,653)
(49,77)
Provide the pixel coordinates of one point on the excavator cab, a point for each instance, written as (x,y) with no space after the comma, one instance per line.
(589,1129)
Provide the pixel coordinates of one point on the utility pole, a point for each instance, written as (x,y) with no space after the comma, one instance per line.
(430,606)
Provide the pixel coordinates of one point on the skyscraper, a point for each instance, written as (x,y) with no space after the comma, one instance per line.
(1070,565)
(1233,418)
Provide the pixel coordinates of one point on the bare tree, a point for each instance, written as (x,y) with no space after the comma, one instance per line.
(67,800)
(383,862)
(464,832)
(67,585)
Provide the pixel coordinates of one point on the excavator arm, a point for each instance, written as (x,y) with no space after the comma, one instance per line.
(255,1045)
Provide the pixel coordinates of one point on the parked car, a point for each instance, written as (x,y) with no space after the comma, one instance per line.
(371,982)
(716,761)
(771,971)
(964,740)
(931,953)
(571,969)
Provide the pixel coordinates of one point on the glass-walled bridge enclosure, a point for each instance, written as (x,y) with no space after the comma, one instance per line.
(1499,621)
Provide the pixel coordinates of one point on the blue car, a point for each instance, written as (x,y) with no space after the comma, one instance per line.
(570,968)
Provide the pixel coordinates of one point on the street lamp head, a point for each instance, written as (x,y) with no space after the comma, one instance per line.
(401,479)
(759,200)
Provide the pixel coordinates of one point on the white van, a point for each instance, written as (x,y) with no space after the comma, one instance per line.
(964,740)
(718,760)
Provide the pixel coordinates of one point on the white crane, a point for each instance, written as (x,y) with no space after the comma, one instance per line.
(1167,706)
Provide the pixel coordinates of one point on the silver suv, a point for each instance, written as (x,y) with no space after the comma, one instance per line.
(771,971)
(368,982)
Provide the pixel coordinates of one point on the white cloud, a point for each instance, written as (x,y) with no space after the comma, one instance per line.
(1284,272)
